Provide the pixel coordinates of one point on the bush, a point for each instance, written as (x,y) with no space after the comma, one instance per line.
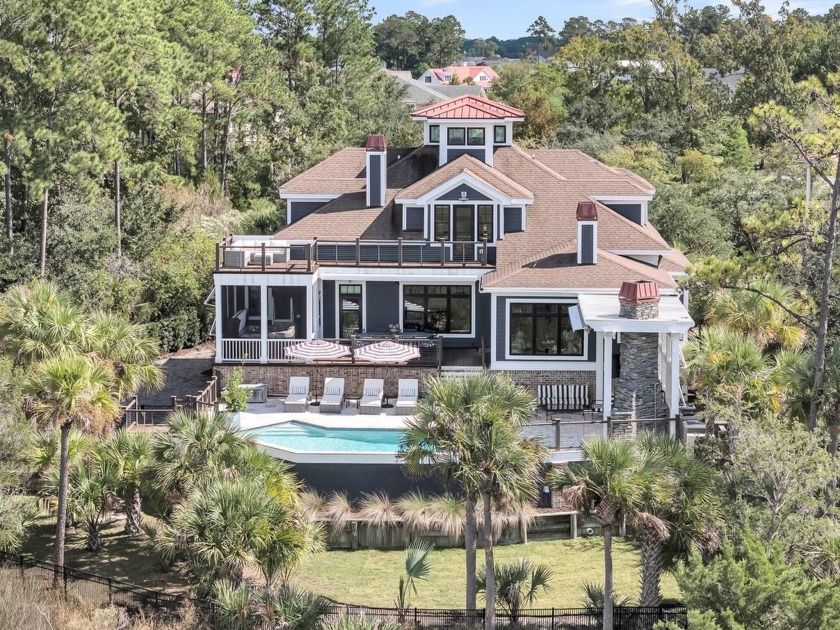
(234,397)
(182,329)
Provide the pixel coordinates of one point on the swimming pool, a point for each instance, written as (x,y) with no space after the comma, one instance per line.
(303,437)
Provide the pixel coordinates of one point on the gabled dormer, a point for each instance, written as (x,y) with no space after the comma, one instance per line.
(468,125)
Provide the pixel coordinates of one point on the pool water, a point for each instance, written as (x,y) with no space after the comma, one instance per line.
(299,436)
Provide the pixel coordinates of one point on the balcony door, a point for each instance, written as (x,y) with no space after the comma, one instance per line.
(463,218)
(349,310)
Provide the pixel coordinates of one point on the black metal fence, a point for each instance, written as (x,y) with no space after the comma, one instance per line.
(102,591)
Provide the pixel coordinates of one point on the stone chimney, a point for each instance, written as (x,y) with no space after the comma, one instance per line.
(587,233)
(375,169)
(639,300)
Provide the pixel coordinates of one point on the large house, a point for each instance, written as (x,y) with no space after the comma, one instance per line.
(474,75)
(541,263)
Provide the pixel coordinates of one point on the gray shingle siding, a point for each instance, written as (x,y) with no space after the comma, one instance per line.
(632,211)
(299,209)
(452,154)
(328,298)
(375,179)
(382,301)
(455,194)
(587,246)
(513,220)
(414,219)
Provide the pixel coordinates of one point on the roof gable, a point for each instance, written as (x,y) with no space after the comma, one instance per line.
(468,107)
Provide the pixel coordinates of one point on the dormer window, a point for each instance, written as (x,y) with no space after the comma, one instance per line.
(456,136)
(434,134)
(499,134)
(475,136)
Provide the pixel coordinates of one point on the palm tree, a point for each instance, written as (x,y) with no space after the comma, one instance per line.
(130,456)
(195,449)
(418,566)
(466,431)
(610,484)
(90,496)
(71,390)
(750,313)
(730,372)
(517,585)
(691,509)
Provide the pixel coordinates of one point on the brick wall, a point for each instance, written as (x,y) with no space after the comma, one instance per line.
(277,376)
(532,378)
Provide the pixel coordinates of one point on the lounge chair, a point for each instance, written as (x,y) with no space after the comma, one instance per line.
(299,396)
(407,397)
(372,394)
(333,398)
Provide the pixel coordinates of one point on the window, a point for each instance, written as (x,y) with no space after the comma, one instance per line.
(543,330)
(456,135)
(442,222)
(349,309)
(428,79)
(485,222)
(437,309)
(434,133)
(475,136)
(499,134)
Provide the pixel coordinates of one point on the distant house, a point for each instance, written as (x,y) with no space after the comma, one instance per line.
(476,75)
(418,93)
(481,61)
(729,79)
(540,262)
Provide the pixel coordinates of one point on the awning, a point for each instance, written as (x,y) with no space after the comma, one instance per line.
(600,314)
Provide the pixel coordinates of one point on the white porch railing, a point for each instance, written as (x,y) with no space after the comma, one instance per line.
(241,350)
(277,348)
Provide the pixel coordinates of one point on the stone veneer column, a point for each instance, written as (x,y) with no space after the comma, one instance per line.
(638,388)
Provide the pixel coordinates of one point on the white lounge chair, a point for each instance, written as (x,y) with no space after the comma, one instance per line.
(333,398)
(298,397)
(407,396)
(372,394)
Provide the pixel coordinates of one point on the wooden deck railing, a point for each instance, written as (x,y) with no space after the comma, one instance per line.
(133,415)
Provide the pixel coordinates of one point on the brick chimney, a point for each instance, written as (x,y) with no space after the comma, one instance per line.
(639,300)
(587,233)
(375,169)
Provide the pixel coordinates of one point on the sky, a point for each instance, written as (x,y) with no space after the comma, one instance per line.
(508,19)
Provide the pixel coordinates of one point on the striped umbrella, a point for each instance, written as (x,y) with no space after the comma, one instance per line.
(317,350)
(387,352)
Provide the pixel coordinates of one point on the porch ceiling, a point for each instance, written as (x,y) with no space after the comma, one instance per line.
(600,313)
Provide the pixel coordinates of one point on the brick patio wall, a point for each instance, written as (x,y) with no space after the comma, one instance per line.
(276,377)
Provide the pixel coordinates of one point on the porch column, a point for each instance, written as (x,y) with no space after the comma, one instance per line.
(607,377)
(263,324)
(310,311)
(674,398)
(220,295)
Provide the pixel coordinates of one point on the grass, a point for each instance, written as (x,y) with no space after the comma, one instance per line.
(366,577)
(370,577)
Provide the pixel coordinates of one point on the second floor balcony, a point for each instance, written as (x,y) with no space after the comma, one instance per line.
(264,254)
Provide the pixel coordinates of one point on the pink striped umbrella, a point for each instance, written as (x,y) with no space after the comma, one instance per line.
(317,350)
(387,352)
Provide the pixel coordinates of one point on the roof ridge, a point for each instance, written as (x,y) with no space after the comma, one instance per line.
(510,268)
(497,173)
(544,167)
(632,224)
(627,263)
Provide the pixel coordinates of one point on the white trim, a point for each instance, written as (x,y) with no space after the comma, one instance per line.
(567,291)
(606,379)
(594,225)
(628,198)
(466,121)
(413,276)
(555,366)
(338,284)
(431,197)
(542,358)
(639,252)
(304,197)
(473,291)
(383,183)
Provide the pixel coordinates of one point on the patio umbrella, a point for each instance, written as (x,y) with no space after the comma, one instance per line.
(317,350)
(386,352)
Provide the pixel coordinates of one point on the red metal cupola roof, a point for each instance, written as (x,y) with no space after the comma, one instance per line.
(639,292)
(468,107)
(376,142)
(587,211)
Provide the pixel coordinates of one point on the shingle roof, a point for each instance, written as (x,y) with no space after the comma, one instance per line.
(542,256)
(473,167)
(469,107)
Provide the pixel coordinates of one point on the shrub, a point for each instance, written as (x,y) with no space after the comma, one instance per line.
(234,397)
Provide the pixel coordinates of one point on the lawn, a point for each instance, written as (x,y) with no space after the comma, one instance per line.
(371,577)
(366,577)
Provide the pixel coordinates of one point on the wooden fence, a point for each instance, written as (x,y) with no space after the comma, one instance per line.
(135,415)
